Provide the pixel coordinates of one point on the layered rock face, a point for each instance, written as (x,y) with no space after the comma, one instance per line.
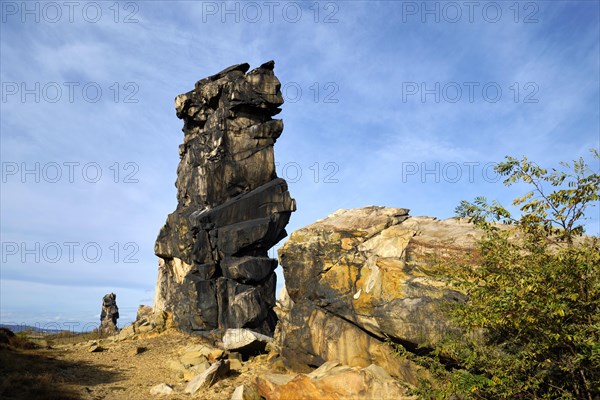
(214,270)
(359,276)
(332,381)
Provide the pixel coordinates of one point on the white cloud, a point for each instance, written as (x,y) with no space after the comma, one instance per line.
(369,53)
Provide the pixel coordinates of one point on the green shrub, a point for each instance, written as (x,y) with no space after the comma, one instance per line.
(532,319)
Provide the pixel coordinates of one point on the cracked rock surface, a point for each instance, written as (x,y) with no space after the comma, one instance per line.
(360,276)
(214,269)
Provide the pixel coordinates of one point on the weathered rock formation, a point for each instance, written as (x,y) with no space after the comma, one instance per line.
(214,270)
(332,381)
(109,314)
(245,342)
(360,276)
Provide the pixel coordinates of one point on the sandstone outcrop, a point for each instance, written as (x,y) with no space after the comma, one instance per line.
(360,277)
(214,269)
(333,381)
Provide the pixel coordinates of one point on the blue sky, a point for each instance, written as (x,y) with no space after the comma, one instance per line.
(395,103)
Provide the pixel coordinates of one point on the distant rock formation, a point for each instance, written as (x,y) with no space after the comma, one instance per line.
(109,314)
(214,269)
(360,276)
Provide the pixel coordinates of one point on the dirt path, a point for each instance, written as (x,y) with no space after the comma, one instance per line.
(120,371)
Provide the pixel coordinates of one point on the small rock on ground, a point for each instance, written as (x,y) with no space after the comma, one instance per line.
(162,389)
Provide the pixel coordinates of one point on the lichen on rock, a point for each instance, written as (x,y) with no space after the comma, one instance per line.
(364,276)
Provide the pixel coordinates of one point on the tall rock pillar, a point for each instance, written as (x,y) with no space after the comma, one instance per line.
(214,269)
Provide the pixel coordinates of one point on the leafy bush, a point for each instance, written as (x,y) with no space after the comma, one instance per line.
(533,312)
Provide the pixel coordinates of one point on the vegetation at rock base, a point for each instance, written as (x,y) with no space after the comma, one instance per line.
(532,319)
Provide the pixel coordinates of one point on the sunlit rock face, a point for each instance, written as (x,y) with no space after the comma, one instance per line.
(214,269)
(360,277)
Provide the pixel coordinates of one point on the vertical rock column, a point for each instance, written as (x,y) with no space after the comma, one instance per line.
(109,314)
(214,270)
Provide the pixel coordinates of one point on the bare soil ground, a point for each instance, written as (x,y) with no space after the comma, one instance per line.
(68,370)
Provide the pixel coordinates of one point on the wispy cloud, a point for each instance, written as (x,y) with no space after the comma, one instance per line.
(351,133)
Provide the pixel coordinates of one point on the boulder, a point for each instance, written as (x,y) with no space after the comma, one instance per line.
(96,348)
(244,392)
(208,377)
(333,381)
(195,370)
(245,341)
(360,277)
(162,389)
(214,269)
(192,358)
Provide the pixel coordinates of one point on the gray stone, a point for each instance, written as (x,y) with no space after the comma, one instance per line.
(162,389)
(208,377)
(249,269)
(214,269)
(245,342)
(198,368)
(193,371)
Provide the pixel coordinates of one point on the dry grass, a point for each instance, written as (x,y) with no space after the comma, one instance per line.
(26,374)
(67,337)
(68,370)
